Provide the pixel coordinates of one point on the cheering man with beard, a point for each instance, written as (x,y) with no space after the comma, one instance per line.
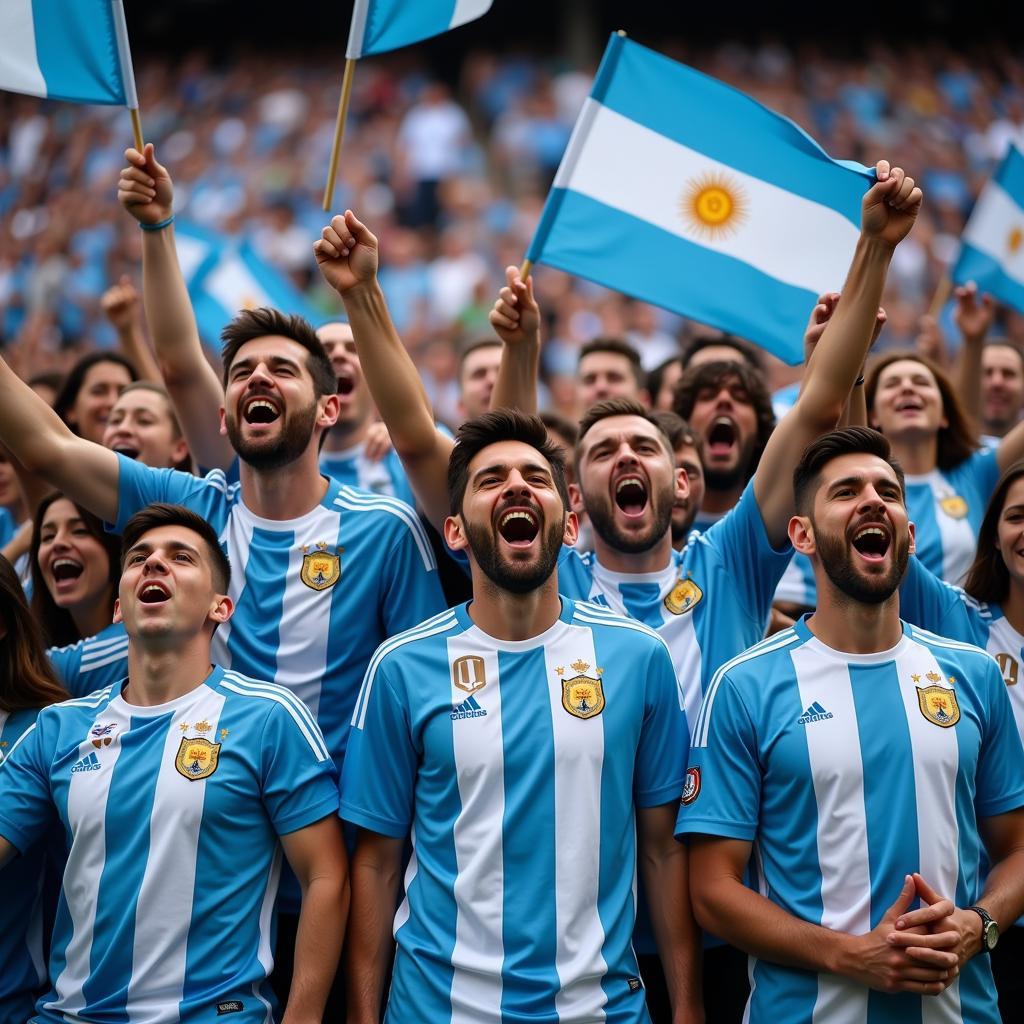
(532,747)
(867,760)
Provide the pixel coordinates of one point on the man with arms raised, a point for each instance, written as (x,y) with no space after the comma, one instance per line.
(867,760)
(177,789)
(532,745)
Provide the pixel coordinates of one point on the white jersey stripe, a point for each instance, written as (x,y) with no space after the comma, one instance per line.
(265,953)
(89,664)
(238,529)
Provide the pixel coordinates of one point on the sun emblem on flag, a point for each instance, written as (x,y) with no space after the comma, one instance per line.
(714,204)
(1015,238)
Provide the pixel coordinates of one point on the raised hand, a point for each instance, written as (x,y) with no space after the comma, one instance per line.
(890,206)
(515,315)
(145,189)
(120,304)
(973,314)
(930,341)
(346,253)
(820,316)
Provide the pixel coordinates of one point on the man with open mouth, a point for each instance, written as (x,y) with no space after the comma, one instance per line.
(868,760)
(531,745)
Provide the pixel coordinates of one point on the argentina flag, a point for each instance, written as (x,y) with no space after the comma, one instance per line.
(992,245)
(681,191)
(66,50)
(382,25)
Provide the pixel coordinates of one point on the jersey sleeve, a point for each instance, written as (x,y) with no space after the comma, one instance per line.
(378,780)
(139,486)
(664,737)
(1000,776)
(299,782)
(411,585)
(935,605)
(67,664)
(722,796)
(753,565)
(984,467)
(26,804)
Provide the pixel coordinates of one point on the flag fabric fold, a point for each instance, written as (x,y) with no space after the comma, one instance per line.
(992,244)
(225,276)
(382,25)
(67,50)
(679,190)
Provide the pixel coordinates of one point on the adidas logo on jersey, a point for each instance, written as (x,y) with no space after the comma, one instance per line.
(815,713)
(469,708)
(90,763)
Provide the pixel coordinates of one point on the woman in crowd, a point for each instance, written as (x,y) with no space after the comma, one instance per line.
(75,572)
(27,685)
(142,425)
(90,390)
(949,475)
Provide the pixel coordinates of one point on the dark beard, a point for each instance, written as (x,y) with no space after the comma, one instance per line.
(294,440)
(730,479)
(602,517)
(838,566)
(516,579)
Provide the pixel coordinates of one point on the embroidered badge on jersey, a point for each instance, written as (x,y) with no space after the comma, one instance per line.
(197,757)
(938,704)
(1009,666)
(468,673)
(582,695)
(683,597)
(101,734)
(321,568)
(691,787)
(954,506)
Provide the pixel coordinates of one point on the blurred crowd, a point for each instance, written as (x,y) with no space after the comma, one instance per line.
(453,181)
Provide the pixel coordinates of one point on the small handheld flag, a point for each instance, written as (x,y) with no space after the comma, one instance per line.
(992,245)
(679,190)
(73,50)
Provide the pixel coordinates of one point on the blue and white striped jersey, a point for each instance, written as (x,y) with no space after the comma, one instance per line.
(797,585)
(92,663)
(21,915)
(946,508)
(849,772)
(517,766)
(384,476)
(160,919)
(314,596)
(709,603)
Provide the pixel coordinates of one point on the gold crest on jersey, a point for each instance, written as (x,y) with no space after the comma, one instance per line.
(320,568)
(683,597)
(197,758)
(583,695)
(468,673)
(954,506)
(1009,667)
(938,704)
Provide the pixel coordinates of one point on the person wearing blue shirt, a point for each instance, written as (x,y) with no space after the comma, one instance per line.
(158,782)
(533,747)
(862,763)
(26,686)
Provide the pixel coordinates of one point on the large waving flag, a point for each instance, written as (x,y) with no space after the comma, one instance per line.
(67,50)
(992,245)
(381,25)
(225,276)
(681,191)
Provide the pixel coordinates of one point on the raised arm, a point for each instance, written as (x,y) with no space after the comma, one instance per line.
(145,190)
(515,318)
(122,308)
(347,255)
(40,440)
(888,212)
(973,316)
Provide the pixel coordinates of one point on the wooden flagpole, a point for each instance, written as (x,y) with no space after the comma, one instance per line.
(137,128)
(524,270)
(339,131)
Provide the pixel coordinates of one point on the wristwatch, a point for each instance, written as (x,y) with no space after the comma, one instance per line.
(989,929)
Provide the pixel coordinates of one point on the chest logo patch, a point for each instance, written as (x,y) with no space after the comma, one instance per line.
(1009,667)
(468,673)
(197,758)
(321,568)
(583,695)
(691,787)
(683,597)
(954,506)
(101,734)
(938,704)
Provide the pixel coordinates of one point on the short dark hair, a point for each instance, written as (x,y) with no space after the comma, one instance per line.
(560,425)
(262,322)
(744,350)
(491,428)
(467,348)
(162,514)
(676,429)
(848,441)
(609,407)
(72,385)
(958,440)
(617,347)
(988,579)
(657,375)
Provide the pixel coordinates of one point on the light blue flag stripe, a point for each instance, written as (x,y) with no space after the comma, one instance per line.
(1011,174)
(628,254)
(715,119)
(394,23)
(986,272)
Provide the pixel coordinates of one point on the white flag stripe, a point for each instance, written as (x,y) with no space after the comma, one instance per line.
(234,287)
(19,65)
(773,234)
(357,31)
(467,10)
(995,219)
